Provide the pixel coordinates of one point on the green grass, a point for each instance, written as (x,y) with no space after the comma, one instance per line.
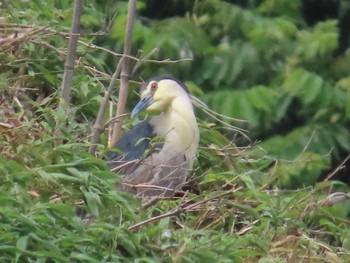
(225,216)
(260,203)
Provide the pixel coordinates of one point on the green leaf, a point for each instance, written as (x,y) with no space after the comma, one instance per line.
(247,181)
(93,201)
(21,245)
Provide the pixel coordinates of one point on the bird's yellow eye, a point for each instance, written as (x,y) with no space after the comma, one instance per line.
(154,86)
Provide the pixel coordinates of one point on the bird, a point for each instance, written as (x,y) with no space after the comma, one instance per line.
(156,156)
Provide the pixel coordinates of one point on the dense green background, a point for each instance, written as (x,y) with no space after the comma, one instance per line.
(281,65)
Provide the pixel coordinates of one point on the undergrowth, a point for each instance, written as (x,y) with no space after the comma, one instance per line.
(60,204)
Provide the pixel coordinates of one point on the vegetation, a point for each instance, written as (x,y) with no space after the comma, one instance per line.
(274,198)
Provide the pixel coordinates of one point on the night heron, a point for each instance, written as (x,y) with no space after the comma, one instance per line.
(156,156)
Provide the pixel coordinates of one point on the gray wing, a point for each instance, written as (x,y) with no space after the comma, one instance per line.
(160,174)
(131,146)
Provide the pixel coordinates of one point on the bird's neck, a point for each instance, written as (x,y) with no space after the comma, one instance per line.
(179,127)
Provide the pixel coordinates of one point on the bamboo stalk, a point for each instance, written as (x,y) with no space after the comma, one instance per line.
(72,50)
(125,73)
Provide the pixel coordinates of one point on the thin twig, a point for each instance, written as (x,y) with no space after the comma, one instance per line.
(155,219)
(113,120)
(97,128)
(306,146)
(140,62)
(341,166)
(213,197)
(179,209)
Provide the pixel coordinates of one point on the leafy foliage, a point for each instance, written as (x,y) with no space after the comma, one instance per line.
(246,202)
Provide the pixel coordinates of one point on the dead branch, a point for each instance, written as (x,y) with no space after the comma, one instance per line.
(113,120)
(340,167)
(140,61)
(97,128)
(181,208)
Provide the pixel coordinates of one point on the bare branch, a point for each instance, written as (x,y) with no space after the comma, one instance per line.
(138,60)
(114,119)
(97,128)
(139,63)
(181,208)
(124,76)
(73,40)
(155,219)
(340,167)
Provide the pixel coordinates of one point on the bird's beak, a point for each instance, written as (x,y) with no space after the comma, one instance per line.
(142,104)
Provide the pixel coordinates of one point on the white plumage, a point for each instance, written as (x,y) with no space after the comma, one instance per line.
(167,163)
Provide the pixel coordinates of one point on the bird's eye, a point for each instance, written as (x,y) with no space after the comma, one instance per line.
(154,86)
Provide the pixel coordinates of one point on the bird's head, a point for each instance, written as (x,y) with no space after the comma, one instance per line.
(157,95)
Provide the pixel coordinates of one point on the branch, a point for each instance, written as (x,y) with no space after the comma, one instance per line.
(341,166)
(181,208)
(72,48)
(124,76)
(98,128)
(141,60)
(120,70)
(155,219)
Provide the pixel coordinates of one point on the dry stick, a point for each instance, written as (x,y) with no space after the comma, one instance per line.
(141,60)
(178,210)
(124,76)
(113,120)
(97,129)
(341,166)
(72,47)
(49,31)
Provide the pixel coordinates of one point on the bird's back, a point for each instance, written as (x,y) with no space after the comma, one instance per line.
(156,175)
(149,169)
